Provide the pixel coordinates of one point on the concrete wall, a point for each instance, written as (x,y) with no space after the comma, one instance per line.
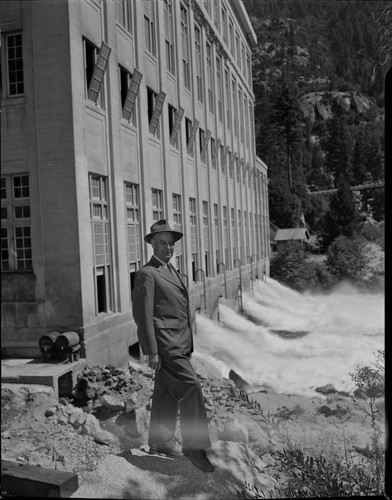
(58,136)
(37,139)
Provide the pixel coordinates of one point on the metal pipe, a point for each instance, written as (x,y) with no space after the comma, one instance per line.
(204,286)
(240,285)
(257,264)
(224,276)
(251,273)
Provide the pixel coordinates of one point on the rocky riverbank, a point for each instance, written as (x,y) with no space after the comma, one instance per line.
(101,434)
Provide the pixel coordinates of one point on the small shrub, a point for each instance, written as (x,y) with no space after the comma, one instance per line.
(305,476)
(372,233)
(309,476)
(371,381)
(290,266)
(346,258)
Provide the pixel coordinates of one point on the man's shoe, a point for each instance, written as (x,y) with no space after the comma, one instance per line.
(199,459)
(167,452)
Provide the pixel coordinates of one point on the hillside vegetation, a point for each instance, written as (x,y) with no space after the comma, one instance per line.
(318,75)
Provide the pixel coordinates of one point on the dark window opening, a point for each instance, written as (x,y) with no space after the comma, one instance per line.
(124,77)
(90,61)
(150,103)
(206,262)
(193,271)
(172,118)
(101,293)
(134,351)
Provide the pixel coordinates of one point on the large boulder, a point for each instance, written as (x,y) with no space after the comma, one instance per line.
(76,415)
(112,402)
(205,369)
(239,382)
(326,389)
(91,426)
(233,430)
(106,437)
(134,422)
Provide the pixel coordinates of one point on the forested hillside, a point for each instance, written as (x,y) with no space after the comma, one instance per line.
(318,75)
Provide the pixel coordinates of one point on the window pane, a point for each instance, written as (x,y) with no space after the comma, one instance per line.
(97,211)
(15,64)
(21,186)
(95,191)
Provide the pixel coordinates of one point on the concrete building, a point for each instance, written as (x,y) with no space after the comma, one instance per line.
(115,114)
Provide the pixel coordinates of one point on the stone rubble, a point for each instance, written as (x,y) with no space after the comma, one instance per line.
(109,410)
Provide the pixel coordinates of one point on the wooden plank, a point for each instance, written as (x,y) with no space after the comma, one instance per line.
(24,480)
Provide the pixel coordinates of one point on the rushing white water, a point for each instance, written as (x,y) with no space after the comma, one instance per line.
(294,342)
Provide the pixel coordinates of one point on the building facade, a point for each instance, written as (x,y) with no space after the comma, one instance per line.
(116,114)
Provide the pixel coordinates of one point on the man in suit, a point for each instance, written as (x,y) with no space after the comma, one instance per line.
(162,315)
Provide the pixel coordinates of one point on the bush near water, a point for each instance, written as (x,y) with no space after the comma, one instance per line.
(358,259)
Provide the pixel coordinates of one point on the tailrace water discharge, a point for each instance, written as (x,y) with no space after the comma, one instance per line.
(294,342)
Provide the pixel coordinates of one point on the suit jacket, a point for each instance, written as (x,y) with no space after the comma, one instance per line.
(161,311)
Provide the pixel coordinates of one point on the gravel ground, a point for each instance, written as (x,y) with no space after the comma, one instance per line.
(34,430)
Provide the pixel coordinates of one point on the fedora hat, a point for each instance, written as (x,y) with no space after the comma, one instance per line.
(162,226)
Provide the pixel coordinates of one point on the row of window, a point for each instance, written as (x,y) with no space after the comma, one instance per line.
(129,87)
(242,221)
(96,62)
(16,248)
(95,65)
(231,38)
(224,23)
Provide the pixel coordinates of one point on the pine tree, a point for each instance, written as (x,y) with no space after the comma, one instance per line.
(359,169)
(338,147)
(287,117)
(316,175)
(342,217)
(285,206)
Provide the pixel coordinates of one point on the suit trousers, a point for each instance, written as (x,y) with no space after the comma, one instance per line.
(177,387)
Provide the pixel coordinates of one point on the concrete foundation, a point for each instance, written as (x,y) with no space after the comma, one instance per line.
(61,376)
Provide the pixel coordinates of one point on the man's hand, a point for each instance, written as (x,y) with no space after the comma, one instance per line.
(154,361)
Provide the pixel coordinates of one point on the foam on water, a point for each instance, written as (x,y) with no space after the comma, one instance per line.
(343,328)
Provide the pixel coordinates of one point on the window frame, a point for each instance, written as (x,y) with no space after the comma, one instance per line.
(215,153)
(219,87)
(149,27)
(169,36)
(154,109)
(175,118)
(184,22)
(129,89)
(94,76)
(102,262)
(127,14)
(199,63)
(133,230)
(16,232)
(192,135)
(19,71)
(210,80)
(157,208)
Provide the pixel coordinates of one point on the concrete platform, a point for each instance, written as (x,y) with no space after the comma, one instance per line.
(60,376)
